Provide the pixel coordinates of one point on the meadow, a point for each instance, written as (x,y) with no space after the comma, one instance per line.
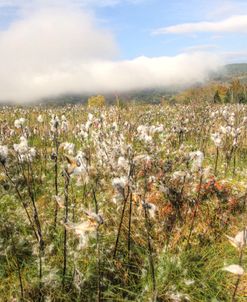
(132,203)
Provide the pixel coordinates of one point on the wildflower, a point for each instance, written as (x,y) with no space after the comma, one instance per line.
(74,166)
(232,119)
(19,122)
(90,116)
(197,159)
(114,126)
(234,269)
(179,297)
(179,175)
(152,209)
(239,240)
(117,198)
(78,280)
(22,146)
(50,277)
(25,152)
(235,142)
(68,147)
(64,124)
(3,154)
(89,122)
(79,228)
(93,217)
(54,123)
(59,201)
(159,129)
(81,159)
(83,230)
(207,172)
(217,139)
(40,119)
(120,182)
(142,158)
(226,130)
(143,134)
(189,282)
(122,162)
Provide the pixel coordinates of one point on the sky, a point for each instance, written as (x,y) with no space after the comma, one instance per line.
(53,47)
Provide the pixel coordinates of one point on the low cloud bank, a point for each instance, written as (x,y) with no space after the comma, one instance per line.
(55,52)
(233,24)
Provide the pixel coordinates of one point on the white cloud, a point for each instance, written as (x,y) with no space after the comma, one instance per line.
(225,8)
(59,3)
(63,51)
(234,56)
(237,23)
(107,2)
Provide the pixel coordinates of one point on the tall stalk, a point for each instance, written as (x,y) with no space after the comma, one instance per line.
(216,161)
(35,223)
(18,266)
(56,175)
(241,252)
(30,182)
(149,244)
(129,227)
(125,196)
(21,200)
(120,227)
(98,249)
(66,214)
(195,211)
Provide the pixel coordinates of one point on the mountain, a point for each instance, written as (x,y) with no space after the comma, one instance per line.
(230,71)
(236,69)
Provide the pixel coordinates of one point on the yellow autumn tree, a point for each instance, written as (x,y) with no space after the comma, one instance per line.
(96,101)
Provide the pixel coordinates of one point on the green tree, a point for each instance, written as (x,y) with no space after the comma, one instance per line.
(228,96)
(217,98)
(96,101)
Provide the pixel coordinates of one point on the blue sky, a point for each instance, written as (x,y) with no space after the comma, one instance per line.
(133,25)
(133,21)
(49,47)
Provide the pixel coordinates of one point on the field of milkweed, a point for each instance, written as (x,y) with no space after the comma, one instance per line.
(135,203)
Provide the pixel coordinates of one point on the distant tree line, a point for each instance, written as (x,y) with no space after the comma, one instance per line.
(235,93)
